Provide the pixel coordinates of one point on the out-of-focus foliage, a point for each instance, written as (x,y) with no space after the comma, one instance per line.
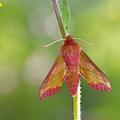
(25,27)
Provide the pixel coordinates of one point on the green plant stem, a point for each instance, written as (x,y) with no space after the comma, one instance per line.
(59,18)
(76,99)
(76,105)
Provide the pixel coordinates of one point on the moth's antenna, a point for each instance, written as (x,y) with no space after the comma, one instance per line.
(84,41)
(53,42)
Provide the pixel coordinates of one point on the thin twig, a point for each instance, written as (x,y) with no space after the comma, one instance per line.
(76,99)
(59,18)
(76,104)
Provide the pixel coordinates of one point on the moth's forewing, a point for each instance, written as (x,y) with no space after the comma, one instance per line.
(53,82)
(94,76)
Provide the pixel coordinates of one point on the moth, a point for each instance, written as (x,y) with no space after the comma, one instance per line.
(71,64)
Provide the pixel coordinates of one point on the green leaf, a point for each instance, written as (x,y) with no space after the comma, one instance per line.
(65,14)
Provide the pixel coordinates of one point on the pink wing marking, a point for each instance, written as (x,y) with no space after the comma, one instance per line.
(94,76)
(53,82)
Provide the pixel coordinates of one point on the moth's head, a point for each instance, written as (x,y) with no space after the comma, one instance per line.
(69,38)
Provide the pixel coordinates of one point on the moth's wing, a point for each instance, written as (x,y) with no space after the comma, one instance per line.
(53,82)
(94,76)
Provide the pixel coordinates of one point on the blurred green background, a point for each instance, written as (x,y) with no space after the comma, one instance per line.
(25,27)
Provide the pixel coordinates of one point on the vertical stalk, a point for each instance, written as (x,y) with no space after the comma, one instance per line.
(59,18)
(76,105)
(76,99)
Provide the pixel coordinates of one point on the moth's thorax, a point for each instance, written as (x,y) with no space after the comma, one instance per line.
(71,52)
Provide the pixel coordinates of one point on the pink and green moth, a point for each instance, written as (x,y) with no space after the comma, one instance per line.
(71,64)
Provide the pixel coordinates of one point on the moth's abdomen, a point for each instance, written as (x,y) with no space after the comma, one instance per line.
(73,80)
